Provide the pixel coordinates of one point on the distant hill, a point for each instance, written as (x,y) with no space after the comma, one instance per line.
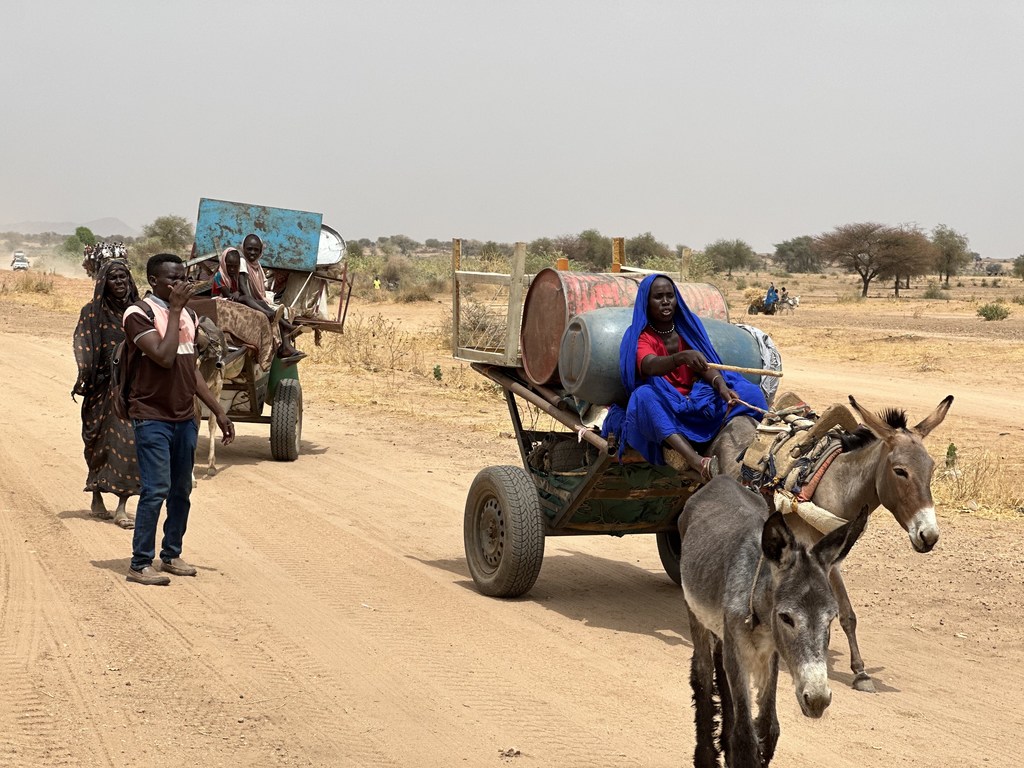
(101,227)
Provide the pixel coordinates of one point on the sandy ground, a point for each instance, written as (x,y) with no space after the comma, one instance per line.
(334,622)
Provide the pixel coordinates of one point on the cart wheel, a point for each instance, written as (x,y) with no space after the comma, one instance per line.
(503,531)
(668,549)
(286,420)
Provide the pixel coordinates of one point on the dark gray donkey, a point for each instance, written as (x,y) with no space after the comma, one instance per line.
(753,593)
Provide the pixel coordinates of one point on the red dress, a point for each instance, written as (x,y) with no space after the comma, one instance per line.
(651,343)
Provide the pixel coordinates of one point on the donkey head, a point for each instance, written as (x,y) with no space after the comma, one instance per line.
(803,606)
(903,478)
(211,346)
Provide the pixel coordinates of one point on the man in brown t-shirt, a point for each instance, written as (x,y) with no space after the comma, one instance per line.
(160,343)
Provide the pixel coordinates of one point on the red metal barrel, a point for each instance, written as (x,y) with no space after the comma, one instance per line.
(555,297)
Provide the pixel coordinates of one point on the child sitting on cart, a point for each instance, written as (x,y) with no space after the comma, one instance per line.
(675,399)
(230,283)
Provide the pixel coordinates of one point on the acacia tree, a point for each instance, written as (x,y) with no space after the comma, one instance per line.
(646,248)
(173,233)
(798,255)
(729,255)
(874,250)
(911,254)
(952,251)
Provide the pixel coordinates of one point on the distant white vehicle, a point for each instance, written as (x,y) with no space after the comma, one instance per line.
(20,261)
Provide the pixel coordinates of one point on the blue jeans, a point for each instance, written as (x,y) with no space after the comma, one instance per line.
(166,453)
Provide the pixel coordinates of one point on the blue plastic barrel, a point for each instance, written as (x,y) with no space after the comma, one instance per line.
(588,359)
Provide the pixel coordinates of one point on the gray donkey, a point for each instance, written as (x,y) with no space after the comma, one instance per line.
(753,593)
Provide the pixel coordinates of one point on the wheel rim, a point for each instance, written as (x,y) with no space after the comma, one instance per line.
(491,533)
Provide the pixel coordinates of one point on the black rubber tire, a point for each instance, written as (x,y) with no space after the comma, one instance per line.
(668,549)
(752,309)
(503,532)
(286,421)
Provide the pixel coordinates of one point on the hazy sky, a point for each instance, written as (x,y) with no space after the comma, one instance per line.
(515,120)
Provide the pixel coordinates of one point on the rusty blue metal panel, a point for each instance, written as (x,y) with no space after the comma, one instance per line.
(290,238)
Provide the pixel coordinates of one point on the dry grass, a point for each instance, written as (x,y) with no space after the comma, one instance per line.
(978,484)
(28,282)
(45,290)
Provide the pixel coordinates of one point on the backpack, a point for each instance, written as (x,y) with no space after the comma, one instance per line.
(121,365)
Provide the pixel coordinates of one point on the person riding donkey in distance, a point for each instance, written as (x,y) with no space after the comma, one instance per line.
(229,282)
(676,400)
(771,298)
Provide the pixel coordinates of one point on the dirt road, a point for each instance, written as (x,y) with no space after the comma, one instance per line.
(334,623)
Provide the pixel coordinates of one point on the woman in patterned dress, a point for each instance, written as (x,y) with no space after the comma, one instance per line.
(109,441)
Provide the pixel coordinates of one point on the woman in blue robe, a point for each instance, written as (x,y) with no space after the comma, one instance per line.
(675,400)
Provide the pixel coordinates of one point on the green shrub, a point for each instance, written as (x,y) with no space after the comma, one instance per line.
(994,311)
(1018,299)
(740,283)
(933,291)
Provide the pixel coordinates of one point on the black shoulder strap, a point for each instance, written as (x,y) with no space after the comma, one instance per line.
(144,306)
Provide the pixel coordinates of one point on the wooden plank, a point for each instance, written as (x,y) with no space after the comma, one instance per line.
(515,304)
(483,278)
(471,355)
(456,298)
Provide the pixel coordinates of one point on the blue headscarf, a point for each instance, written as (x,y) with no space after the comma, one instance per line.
(688,326)
(657,409)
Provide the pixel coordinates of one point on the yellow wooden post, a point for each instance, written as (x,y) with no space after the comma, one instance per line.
(618,253)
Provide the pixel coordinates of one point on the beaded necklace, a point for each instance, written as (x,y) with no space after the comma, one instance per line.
(669,332)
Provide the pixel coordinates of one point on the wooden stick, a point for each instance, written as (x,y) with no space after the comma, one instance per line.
(738,369)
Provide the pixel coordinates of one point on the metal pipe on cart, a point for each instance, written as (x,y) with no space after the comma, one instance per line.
(571,421)
(549,394)
(349,282)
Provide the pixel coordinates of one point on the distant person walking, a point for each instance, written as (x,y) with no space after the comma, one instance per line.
(160,350)
(109,441)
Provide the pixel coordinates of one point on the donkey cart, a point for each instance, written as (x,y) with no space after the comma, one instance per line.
(554,352)
(571,483)
(305,256)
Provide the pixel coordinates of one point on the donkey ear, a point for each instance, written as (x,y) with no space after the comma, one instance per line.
(776,538)
(935,418)
(871,421)
(837,545)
